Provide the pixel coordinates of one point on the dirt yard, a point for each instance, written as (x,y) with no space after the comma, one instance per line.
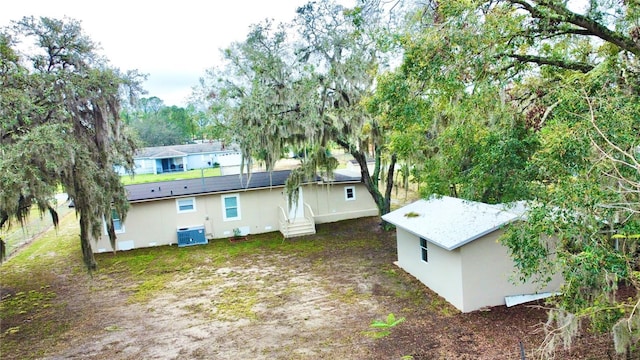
(310,298)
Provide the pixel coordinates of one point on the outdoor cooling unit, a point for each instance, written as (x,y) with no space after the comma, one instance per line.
(191,236)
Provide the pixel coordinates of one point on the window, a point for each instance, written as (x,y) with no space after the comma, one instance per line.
(186,205)
(117,223)
(350,193)
(424,250)
(231,207)
(118,226)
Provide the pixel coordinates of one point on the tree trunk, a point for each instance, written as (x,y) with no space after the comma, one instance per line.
(371,183)
(85,237)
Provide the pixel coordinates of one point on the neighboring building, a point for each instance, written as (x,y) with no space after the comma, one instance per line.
(352,165)
(187,212)
(451,245)
(163,159)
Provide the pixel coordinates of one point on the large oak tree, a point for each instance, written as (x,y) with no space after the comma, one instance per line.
(534,100)
(60,126)
(301,87)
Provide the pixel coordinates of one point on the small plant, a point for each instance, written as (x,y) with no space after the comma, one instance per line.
(237,233)
(382,327)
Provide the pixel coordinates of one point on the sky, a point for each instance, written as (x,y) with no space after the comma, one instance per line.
(174,42)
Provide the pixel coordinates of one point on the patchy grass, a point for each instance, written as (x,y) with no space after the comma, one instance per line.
(236,302)
(179,175)
(37,223)
(22,302)
(30,303)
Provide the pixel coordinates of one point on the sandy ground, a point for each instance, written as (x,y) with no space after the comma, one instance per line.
(275,302)
(271,303)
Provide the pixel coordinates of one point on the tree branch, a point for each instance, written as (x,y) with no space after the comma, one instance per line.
(594,27)
(590,26)
(577,66)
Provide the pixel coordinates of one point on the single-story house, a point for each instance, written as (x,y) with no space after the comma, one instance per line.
(451,245)
(353,165)
(163,159)
(192,211)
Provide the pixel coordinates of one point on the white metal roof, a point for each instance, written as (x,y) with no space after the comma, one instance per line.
(451,222)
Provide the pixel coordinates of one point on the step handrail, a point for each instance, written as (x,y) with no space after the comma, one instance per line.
(311,216)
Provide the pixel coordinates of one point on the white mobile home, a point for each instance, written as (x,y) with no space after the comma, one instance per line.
(175,158)
(188,212)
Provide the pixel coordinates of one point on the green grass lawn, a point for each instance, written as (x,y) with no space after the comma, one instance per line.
(35,224)
(181,175)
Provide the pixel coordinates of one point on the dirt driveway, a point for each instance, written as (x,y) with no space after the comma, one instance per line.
(310,298)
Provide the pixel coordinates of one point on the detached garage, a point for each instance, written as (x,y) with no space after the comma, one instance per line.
(451,245)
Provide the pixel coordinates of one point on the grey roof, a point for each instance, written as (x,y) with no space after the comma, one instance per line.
(451,222)
(215,184)
(182,150)
(168,153)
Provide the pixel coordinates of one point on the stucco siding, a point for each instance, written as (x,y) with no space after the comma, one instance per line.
(254,207)
(487,271)
(155,223)
(442,272)
(147,224)
(329,203)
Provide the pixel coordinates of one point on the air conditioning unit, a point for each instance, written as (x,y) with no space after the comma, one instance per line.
(194,235)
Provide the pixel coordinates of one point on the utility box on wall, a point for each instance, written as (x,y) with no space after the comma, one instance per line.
(191,236)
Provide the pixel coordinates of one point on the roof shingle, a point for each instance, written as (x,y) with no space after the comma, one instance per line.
(214,184)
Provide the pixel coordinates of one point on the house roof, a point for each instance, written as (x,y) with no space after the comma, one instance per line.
(182,150)
(216,184)
(451,222)
(168,153)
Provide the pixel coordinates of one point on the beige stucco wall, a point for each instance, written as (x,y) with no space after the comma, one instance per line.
(155,223)
(489,274)
(329,204)
(471,277)
(442,273)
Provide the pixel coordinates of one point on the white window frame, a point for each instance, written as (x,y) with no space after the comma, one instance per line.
(224,207)
(346,193)
(117,231)
(424,250)
(180,211)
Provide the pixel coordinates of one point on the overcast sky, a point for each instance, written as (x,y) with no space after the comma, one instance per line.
(172,41)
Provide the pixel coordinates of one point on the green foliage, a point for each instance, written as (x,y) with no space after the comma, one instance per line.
(60,125)
(158,125)
(587,163)
(279,91)
(382,328)
(514,100)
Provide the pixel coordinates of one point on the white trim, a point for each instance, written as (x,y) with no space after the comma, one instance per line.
(121,231)
(224,208)
(513,300)
(104,226)
(193,201)
(346,193)
(424,250)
